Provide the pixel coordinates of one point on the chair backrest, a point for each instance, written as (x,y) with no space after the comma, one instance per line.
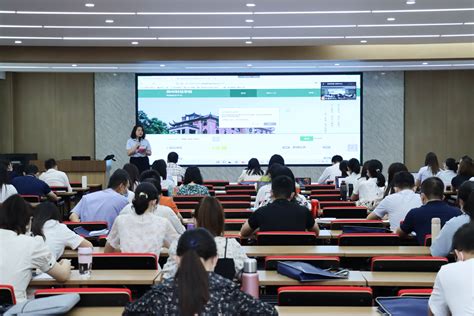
(92,296)
(31,198)
(242,192)
(323,204)
(7,295)
(233,197)
(239,187)
(428,240)
(186,205)
(286,238)
(235,204)
(123,261)
(187,198)
(186,213)
(369,239)
(314,208)
(324,296)
(58,188)
(323,262)
(311,187)
(326,197)
(237,213)
(415,292)
(409,264)
(340,223)
(325,191)
(234,223)
(217,183)
(345,212)
(90,226)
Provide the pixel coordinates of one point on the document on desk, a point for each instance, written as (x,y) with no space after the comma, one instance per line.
(43,276)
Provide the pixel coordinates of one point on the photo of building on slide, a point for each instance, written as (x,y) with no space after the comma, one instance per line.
(194,123)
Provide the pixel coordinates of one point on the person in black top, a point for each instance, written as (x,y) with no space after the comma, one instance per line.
(465,172)
(282,214)
(196,290)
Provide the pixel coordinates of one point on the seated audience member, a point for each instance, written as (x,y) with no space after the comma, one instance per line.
(47,224)
(418,220)
(344,169)
(353,170)
(430,169)
(330,173)
(196,289)
(6,189)
(370,192)
(164,200)
(454,286)
(397,205)
(449,172)
(282,214)
(275,159)
(133,176)
(465,172)
(159,210)
(29,184)
(392,170)
(253,172)
(11,173)
(210,215)
(21,253)
(53,177)
(172,168)
(264,194)
(442,245)
(103,205)
(192,183)
(141,230)
(166,183)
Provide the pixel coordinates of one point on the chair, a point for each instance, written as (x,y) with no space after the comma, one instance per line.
(123,261)
(7,295)
(314,208)
(58,189)
(31,198)
(90,226)
(338,224)
(323,204)
(239,187)
(286,238)
(408,264)
(311,187)
(186,213)
(324,296)
(322,262)
(428,240)
(415,292)
(369,239)
(187,198)
(217,183)
(251,192)
(235,204)
(345,212)
(325,191)
(92,296)
(237,213)
(234,224)
(229,197)
(188,205)
(326,197)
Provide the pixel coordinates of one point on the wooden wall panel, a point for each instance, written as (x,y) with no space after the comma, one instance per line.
(6,117)
(438,115)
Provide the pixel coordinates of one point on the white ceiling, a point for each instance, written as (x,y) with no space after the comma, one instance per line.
(222,22)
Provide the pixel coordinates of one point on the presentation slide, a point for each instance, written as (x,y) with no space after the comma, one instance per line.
(228,119)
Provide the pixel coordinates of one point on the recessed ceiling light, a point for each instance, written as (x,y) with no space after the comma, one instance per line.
(90,5)
(425,63)
(411,2)
(248,42)
(249,65)
(363,41)
(382,73)
(391,19)
(250,5)
(18,42)
(74,65)
(249,21)
(336,64)
(162,65)
(134,43)
(109,21)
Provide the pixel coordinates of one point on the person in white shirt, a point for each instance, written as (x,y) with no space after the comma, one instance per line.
(141,230)
(453,291)
(20,253)
(53,177)
(166,180)
(371,191)
(353,169)
(330,173)
(172,168)
(6,189)
(210,215)
(392,170)
(431,169)
(449,172)
(397,205)
(46,223)
(252,173)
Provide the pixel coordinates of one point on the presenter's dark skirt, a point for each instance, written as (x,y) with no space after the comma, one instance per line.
(142,163)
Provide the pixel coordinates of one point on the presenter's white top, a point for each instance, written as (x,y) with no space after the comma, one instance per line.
(425,173)
(144,145)
(330,174)
(56,178)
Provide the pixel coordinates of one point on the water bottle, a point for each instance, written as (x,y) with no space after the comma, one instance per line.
(85,261)
(435,228)
(250,284)
(343,189)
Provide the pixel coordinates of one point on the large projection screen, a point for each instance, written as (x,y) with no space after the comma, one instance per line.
(228,119)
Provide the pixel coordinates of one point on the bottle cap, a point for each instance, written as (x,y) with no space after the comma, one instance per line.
(250,266)
(435,220)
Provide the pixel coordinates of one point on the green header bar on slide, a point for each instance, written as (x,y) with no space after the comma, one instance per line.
(230,93)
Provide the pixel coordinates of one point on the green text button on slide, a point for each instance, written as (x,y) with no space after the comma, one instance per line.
(306,138)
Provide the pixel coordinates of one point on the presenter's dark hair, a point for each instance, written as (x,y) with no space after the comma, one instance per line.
(4,179)
(210,215)
(392,170)
(192,278)
(343,168)
(336,159)
(466,194)
(31,169)
(144,193)
(282,187)
(119,177)
(133,134)
(374,169)
(431,160)
(160,167)
(149,174)
(451,164)
(173,157)
(43,213)
(433,188)
(253,167)
(133,174)
(462,239)
(192,174)
(15,214)
(50,163)
(354,165)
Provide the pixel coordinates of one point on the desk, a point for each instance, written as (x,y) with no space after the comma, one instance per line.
(105,277)
(327,310)
(272,278)
(66,196)
(323,233)
(69,253)
(422,279)
(103,311)
(372,251)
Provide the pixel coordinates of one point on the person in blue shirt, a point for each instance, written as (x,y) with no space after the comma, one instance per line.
(418,220)
(29,184)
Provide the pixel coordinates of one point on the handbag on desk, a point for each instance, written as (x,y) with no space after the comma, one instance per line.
(403,306)
(305,272)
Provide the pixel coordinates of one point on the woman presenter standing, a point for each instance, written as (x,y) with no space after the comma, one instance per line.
(138,149)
